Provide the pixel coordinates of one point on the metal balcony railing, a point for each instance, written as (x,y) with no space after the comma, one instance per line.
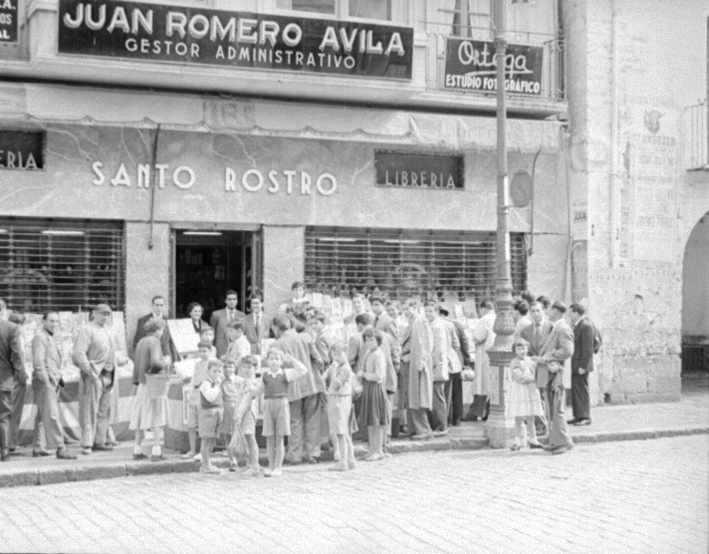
(697,137)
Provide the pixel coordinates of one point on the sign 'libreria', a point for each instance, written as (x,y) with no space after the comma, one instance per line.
(193,35)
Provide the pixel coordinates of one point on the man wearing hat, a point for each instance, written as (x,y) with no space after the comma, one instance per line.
(95,356)
(12,366)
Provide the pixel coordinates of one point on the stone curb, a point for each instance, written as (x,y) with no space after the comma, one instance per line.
(110,470)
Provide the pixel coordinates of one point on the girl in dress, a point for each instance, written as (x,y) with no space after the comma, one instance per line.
(339,406)
(149,412)
(524,402)
(374,414)
(276,410)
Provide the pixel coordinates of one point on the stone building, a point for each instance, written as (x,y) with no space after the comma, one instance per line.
(637,88)
(188,147)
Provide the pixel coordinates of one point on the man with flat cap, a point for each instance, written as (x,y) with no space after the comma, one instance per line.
(95,356)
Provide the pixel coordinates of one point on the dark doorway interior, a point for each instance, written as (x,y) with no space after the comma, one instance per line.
(207,264)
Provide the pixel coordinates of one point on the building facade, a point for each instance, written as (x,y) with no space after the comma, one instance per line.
(184,148)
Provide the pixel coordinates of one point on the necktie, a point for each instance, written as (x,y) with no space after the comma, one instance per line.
(537,336)
(231,316)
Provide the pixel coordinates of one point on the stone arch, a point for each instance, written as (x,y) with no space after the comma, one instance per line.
(695,299)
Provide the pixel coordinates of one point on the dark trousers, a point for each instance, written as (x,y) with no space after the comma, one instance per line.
(454,397)
(541,422)
(439,411)
(580,398)
(5,411)
(18,404)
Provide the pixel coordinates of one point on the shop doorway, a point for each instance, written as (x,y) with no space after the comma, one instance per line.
(208,263)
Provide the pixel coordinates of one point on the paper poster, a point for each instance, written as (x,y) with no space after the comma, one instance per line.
(183,335)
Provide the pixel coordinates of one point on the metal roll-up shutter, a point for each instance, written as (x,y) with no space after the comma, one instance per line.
(61,265)
(407,263)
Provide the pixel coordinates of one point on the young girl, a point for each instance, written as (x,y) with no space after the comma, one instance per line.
(231,397)
(211,412)
(523,401)
(245,414)
(276,411)
(374,412)
(339,406)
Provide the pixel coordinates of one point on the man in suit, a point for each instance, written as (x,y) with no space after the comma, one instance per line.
(581,365)
(417,364)
(256,328)
(454,386)
(95,356)
(221,318)
(19,389)
(387,326)
(536,334)
(305,394)
(12,366)
(556,349)
(46,383)
(444,360)
(166,342)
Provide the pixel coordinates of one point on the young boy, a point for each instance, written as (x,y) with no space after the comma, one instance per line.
(239,345)
(207,335)
(245,414)
(231,397)
(211,413)
(276,410)
(200,373)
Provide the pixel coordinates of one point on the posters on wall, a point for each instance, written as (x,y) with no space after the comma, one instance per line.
(648,205)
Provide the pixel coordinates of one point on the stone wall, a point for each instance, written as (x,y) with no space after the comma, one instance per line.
(633,67)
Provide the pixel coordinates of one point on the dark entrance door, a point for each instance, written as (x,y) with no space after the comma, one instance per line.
(208,263)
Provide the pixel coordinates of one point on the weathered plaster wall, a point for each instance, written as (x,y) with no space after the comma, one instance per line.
(147,270)
(628,180)
(695,282)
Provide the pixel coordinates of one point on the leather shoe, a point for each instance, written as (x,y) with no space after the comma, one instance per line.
(573,421)
(4,454)
(582,422)
(536,445)
(426,437)
(64,454)
(140,456)
(102,448)
(562,449)
(40,453)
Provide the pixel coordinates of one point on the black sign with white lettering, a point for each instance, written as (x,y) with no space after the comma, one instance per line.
(8,21)
(471,65)
(22,150)
(423,171)
(195,35)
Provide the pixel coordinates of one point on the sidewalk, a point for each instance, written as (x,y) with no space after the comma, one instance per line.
(610,423)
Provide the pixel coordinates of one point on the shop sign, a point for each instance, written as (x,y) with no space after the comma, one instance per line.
(184,177)
(235,39)
(23,150)
(8,21)
(471,65)
(423,171)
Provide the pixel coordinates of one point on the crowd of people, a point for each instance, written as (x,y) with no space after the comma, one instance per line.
(395,363)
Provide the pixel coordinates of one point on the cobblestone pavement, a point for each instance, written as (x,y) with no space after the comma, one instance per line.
(635,496)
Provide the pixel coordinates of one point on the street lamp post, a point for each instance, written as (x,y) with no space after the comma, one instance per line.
(499,427)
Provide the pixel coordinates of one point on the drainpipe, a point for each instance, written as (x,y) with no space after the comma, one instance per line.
(615,162)
(153,161)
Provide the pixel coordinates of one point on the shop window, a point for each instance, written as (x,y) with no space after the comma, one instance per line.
(61,265)
(371,9)
(444,266)
(313,6)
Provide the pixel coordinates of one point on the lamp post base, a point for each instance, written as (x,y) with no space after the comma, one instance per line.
(499,428)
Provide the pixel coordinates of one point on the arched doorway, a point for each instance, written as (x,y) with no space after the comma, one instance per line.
(695,302)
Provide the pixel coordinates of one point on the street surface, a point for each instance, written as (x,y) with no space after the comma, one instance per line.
(635,496)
